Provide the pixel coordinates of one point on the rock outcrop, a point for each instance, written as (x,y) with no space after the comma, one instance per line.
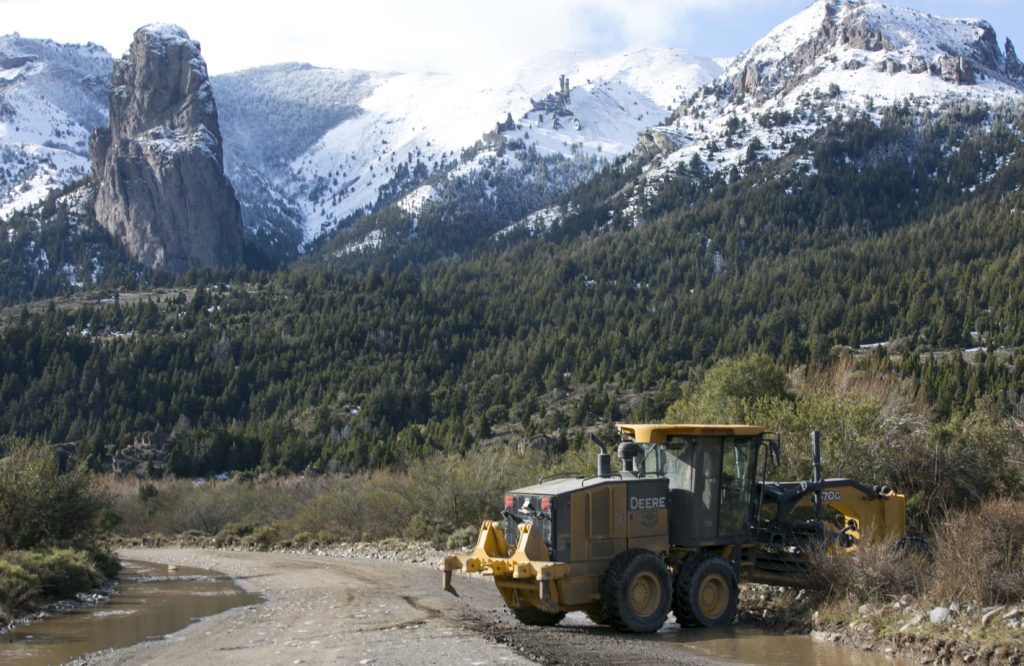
(958,51)
(160,169)
(1014,67)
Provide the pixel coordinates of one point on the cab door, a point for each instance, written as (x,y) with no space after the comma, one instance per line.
(738,467)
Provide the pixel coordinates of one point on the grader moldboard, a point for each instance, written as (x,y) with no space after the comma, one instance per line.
(690,514)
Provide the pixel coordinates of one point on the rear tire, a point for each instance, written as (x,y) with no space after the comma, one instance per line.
(535,617)
(706,592)
(636,592)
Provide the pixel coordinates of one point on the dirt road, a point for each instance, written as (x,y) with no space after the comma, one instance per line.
(333,610)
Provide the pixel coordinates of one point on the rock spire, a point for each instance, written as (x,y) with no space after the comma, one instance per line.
(159,166)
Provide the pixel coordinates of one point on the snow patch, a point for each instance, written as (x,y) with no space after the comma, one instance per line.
(413,202)
(371,241)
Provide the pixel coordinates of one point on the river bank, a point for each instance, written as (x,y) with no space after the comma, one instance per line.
(295,584)
(906,627)
(36,584)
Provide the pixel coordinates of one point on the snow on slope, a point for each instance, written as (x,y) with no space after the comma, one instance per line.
(51,97)
(268,117)
(420,123)
(836,57)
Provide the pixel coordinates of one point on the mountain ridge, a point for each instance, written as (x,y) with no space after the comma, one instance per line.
(404,143)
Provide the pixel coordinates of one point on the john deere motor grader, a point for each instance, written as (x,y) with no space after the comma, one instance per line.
(689,515)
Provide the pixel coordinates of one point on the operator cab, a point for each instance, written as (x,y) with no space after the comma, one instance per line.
(711,473)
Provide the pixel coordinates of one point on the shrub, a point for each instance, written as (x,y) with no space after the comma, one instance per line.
(727,391)
(263,537)
(60,573)
(463,537)
(18,587)
(106,563)
(980,555)
(876,571)
(232,533)
(42,508)
(426,527)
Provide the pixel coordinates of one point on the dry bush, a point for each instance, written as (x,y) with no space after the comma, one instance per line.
(435,497)
(875,572)
(980,555)
(175,506)
(364,507)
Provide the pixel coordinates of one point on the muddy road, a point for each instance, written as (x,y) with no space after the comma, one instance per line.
(321,610)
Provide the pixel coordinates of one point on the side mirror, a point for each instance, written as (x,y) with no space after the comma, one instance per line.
(775,450)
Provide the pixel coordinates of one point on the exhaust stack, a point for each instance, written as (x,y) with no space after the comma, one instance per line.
(816,456)
(816,473)
(604,459)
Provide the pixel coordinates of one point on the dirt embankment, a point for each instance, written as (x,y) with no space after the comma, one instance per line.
(358,610)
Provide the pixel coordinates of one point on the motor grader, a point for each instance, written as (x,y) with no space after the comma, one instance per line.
(689,515)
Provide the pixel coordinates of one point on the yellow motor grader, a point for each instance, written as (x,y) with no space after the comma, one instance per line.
(689,515)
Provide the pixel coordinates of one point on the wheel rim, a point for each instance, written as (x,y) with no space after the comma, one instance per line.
(644,594)
(713,597)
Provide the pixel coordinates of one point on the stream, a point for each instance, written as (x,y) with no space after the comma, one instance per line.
(150,602)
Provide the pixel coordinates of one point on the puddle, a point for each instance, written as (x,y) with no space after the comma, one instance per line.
(750,645)
(149,602)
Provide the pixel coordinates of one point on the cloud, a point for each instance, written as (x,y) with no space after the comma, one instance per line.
(409,35)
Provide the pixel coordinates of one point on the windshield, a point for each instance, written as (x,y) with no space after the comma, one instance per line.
(672,462)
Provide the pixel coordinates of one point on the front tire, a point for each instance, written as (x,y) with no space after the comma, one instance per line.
(706,592)
(636,592)
(535,617)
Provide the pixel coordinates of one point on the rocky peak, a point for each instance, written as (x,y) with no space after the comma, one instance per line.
(161,184)
(161,83)
(1014,68)
(864,33)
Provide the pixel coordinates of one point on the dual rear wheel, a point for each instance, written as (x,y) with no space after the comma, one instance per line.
(706,592)
(637,592)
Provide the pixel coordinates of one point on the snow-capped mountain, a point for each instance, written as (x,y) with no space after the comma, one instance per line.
(306,148)
(837,58)
(358,139)
(51,97)
(310,150)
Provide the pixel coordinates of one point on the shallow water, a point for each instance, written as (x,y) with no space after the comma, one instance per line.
(150,602)
(750,645)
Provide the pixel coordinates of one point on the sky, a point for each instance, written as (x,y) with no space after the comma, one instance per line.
(439,35)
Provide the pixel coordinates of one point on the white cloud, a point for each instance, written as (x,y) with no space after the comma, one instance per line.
(407,35)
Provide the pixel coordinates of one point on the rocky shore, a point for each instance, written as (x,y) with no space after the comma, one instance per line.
(906,627)
(95,597)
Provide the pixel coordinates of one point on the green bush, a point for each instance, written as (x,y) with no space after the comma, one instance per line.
(426,527)
(40,507)
(18,587)
(232,533)
(728,390)
(62,573)
(463,537)
(105,562)
(263,537)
